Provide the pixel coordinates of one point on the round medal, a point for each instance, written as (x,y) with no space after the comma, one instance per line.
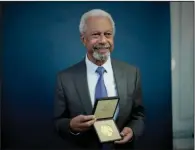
(106,130)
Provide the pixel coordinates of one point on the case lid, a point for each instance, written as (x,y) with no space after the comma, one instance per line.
(105,108)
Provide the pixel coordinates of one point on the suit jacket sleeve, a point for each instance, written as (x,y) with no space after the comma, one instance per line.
(61,112)
(136,118)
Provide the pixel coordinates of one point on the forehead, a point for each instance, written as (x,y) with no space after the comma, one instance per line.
(98,23)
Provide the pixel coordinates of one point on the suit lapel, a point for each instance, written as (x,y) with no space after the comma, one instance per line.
(121,87)
(82,87)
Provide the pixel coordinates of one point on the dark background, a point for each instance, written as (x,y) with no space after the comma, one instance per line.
(42,38)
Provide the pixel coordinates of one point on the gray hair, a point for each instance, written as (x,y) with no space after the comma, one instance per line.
(91,13)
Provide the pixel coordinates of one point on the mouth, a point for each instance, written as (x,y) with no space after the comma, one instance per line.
(102,49)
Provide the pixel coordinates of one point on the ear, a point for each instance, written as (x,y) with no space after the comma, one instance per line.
(83,40)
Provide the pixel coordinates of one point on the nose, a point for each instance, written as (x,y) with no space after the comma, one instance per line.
(102,39)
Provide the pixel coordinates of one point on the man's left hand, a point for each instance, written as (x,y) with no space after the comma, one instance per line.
(127,135)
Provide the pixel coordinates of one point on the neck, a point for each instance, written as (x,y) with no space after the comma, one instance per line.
(97,62)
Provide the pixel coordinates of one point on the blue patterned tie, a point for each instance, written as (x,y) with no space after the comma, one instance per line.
(101,92)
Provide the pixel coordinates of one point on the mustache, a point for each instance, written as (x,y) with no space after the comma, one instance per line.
(100,46)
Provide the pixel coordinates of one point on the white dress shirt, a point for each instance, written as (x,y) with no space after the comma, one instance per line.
(92,78)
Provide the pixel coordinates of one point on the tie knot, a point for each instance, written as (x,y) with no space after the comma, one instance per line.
(100,70)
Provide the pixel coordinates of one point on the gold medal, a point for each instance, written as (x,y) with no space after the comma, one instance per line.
(106,130)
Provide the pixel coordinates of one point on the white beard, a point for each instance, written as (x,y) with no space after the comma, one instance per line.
(101,57)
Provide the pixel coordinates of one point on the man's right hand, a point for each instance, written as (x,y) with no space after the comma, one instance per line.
(82,123)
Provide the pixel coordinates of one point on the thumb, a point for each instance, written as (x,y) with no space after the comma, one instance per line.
(125,131)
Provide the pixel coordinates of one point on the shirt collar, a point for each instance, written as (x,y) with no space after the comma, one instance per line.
(93,67)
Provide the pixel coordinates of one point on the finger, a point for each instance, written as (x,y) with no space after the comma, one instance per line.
(125,139)
(78,129)
(87,118)
(125,131)
(87,124)
(81,129)
(122,134)
(84,129)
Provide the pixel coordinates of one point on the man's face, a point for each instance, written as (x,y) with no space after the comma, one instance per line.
(98,38)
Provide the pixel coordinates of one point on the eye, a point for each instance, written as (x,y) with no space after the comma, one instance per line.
(95,34)
(108,34)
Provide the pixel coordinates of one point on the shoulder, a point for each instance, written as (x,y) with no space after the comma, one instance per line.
(124,66)
(132,72)
(74,69)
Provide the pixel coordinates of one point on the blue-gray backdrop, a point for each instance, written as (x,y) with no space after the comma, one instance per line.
(41,38)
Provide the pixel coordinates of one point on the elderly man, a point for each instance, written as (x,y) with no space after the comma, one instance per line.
(77,88)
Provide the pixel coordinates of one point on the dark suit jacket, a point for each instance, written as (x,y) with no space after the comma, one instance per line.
(72,99)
